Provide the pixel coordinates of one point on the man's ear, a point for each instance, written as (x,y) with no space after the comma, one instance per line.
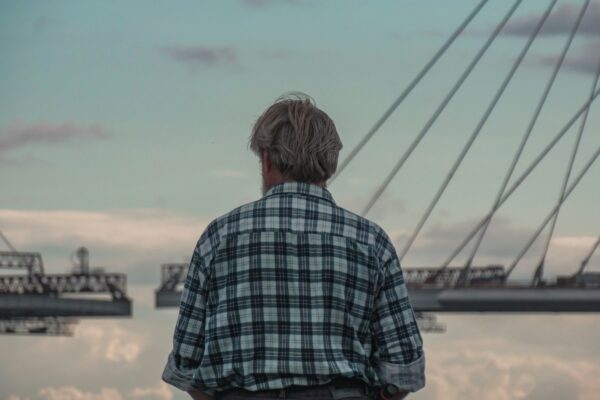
(266,161)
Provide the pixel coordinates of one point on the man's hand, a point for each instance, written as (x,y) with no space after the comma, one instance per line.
(198,395)
(400,395)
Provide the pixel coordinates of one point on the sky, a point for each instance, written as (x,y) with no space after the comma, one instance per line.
(124,128)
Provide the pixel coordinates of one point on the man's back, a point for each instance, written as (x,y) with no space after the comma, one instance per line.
(293,288)
(291,292)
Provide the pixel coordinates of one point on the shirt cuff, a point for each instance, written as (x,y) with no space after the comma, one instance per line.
(409,377)
(181,379)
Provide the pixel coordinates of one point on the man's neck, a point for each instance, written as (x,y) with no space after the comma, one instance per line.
(268,185)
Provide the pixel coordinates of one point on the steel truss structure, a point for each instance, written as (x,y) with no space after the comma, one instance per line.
(53,326)
(40,303)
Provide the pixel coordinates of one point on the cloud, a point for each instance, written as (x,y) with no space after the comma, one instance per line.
(481,356)
(442,238)
(473,370)
(504,239)
(68,392)
(136,230)
(502,243)
(559,22)
(135,242)
(103,353)
(586,60)
(101,341)
(386,205)
(73,393)
(162,391)
(110,343)
(20,134)
(203,55)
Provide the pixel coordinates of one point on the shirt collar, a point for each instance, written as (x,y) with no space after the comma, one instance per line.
(302,188)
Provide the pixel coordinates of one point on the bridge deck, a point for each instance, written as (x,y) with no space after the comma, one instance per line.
(489,299)
(505,299)
(32,305)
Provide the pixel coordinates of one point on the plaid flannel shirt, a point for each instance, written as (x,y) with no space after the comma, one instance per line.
(294,290)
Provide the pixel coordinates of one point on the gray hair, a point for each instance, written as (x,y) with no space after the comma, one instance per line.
(300,139)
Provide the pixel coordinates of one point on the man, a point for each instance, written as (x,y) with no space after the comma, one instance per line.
(291,295)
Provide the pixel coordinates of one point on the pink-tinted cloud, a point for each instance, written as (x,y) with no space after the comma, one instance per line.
(503,242)
(135,242)
(162,391)
(202,55)
(586,60)
(110,343)
(485,370)
(561,21)
(139,231)
(20,134)
(504,239)
(73,393)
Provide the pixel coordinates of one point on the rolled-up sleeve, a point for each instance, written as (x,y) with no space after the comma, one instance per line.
(188,339)
(398,355)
